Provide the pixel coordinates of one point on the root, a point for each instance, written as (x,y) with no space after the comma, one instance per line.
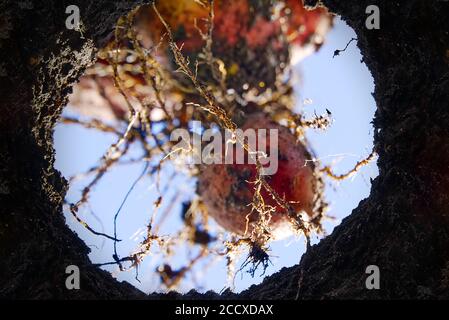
(328,171)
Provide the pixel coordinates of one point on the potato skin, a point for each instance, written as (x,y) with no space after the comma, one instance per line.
(227,194)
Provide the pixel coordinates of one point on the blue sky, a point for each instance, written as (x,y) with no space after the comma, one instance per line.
(342,84)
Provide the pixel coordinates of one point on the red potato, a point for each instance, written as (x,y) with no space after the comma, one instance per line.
(240,33)
(227,191)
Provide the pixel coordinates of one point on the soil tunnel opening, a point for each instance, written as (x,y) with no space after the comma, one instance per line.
(113,140)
